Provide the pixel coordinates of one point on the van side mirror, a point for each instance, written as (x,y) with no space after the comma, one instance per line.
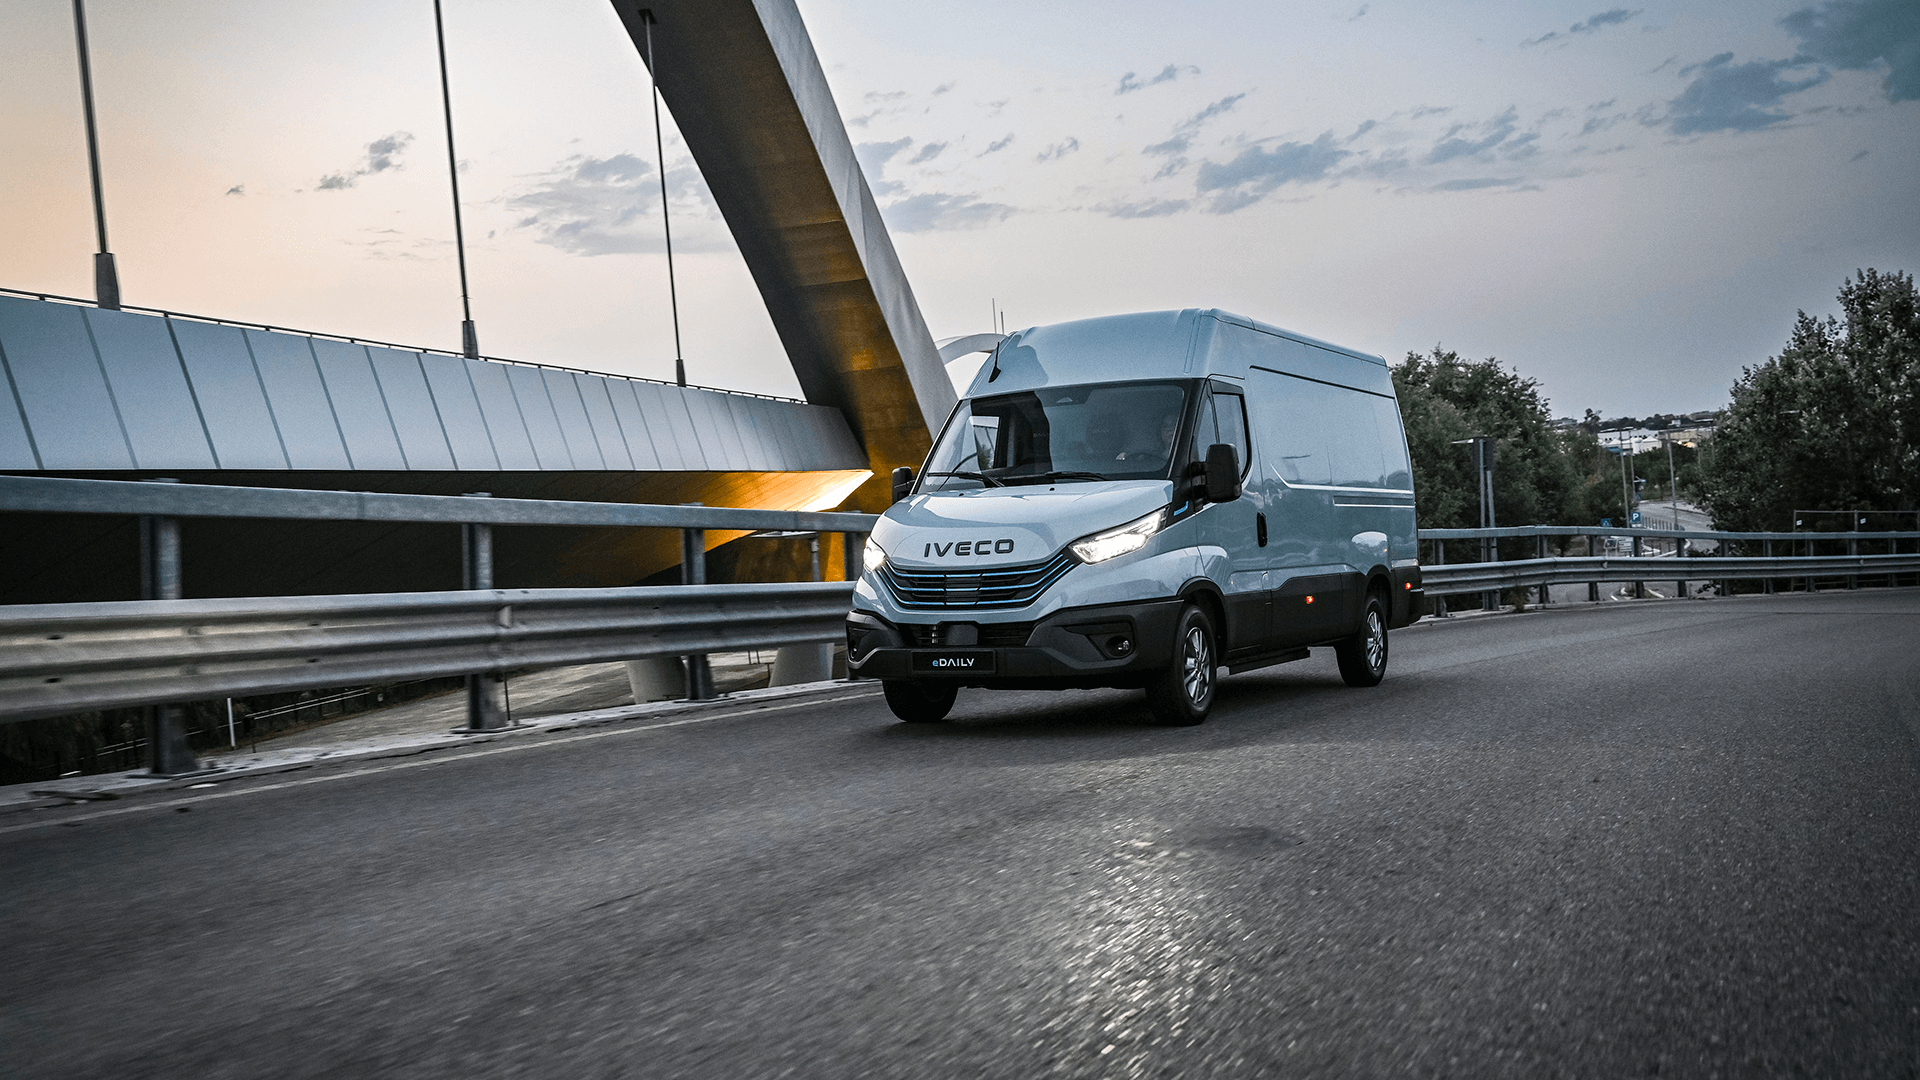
(1223,473)
(903,482)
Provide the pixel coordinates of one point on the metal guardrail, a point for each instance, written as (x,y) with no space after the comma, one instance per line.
(57,659)
(1525,531)
(439,633)
(63,658)
(1456,578)
(63,495)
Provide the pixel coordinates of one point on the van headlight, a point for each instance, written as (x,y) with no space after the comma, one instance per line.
(872,556)
(1115,542)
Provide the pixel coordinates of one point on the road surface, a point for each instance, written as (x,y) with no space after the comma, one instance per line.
(1501,862)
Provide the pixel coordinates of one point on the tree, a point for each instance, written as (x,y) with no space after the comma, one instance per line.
(1832,423)
(1541,476)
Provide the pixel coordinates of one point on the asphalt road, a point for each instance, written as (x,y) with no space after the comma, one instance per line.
(1500,862)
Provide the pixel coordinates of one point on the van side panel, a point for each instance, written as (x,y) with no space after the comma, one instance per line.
(1340,484)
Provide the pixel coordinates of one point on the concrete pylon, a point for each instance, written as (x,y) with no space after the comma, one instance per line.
(752,102)
(656,678)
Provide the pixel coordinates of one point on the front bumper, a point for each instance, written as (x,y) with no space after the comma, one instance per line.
(1105,645)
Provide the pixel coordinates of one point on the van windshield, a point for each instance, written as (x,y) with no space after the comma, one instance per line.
(1114,431)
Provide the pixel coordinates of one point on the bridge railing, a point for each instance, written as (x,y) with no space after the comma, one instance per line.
(1735,556)
(163,647)
(57,659)
(65,658)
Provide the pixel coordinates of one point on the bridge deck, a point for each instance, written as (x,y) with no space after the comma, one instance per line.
(1611,841)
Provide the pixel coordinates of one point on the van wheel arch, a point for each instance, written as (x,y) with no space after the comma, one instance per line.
(1207,595)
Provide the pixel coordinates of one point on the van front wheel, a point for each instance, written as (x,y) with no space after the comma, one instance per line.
(1363,657)
(1182,695)
(919,704)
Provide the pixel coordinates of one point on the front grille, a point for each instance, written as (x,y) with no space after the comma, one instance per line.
(997,587)
(995,635)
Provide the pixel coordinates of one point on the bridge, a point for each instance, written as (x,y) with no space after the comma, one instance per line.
(108,390)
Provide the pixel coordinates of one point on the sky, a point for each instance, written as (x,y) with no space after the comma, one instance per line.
(1627,204)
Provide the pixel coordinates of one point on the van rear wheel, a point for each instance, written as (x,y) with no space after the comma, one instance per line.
(917,703)
(1182,695)
(1363,657)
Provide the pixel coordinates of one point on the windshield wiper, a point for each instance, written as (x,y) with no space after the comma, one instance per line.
(990,481)
(1067,474)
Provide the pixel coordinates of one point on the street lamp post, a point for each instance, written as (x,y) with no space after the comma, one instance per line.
(1483,469)
(106,281)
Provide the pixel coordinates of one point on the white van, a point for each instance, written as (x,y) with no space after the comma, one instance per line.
(1137,501)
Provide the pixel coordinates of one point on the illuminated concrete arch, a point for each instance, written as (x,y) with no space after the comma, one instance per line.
(752,102)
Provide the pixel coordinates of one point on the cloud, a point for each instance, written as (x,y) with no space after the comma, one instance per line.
(1494,132)
(382,154)
(883,95)
(1475,185)
(1858,156)
(1860,35)
(1224,105)
(875,155)
(935,211)
(1614,17)
(1257,171)
(998,145)
(1600,123)
(928,151)
(1725,96)
(1129,83)
(1381,166)
(392,245)
(942,88)
(1171,148)
(1365,126)
(606,206)
(1058,150)
(1150,209)
(237,189)
(1358,15)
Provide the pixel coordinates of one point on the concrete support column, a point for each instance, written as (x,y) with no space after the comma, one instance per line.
(167,751)
(656,678)
(693,571)
(812,662)
(486,691)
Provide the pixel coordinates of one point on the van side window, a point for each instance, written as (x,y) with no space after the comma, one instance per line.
(1230,414)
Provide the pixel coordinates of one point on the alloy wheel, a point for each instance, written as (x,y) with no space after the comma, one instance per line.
(1199,665)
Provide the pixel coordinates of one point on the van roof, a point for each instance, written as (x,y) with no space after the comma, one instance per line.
(1140,345)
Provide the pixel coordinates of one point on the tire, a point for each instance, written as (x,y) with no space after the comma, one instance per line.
(1363,657)
(1182,695)
(918,703)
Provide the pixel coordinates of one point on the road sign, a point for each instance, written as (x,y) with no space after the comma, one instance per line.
(1636,517)
(1606,523)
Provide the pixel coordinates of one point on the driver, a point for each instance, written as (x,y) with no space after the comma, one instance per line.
(1153,444)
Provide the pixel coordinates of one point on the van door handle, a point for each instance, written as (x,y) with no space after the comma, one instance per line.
(1260,526)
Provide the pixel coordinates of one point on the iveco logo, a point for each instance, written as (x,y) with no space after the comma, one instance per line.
(1002,546)
(953,661)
